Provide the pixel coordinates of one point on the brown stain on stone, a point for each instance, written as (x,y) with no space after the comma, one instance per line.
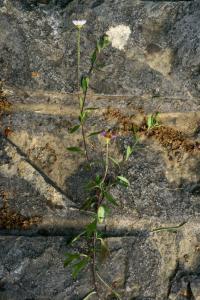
(13,220)
(172,139)
(5,108)
(169,138)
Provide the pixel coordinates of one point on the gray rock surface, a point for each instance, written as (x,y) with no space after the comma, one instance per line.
(161,55)
(41,184)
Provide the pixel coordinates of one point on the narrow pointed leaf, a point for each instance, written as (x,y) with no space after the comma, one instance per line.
(73,129)
(94,133)
(91,228)
(74,149)
(89,295)
(123,180)
(77,237)
(89,203)
(94,57)
(114,161)
(149,122)
(91,108)
(110,198)
(129,151)
(170,228)
(83,116)
(79,266)
(70,258)
(84,84)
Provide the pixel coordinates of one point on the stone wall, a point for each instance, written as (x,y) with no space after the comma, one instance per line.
(153,66)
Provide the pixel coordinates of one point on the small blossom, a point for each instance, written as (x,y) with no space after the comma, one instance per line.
(108,135)
(119,36)
(79,23)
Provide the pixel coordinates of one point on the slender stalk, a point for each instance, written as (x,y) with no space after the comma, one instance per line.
(100,198)
(85,93)
(78,57)
(84,141)
(84,100)
(107,162)
(94,265)
(78,87)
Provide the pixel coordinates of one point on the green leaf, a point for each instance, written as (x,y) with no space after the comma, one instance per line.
(114,161)
(110,198)
(123,180)
(101,214)
(89,203)
(91,108)
(85,84)
(170,228)
(77,237)
(83,116)
(74,149)
(103,42)
(88,295)
(70,258)
(150,122)
(79,266)
(106,40)
(104,251)
(73,129)
(94,57)
(98,179)
(91,228)
(94,133)
(91,185)
(129,151)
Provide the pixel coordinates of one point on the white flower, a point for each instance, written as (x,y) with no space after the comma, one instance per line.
(119,36)
(79,23)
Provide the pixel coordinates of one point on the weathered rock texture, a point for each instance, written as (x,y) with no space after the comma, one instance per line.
(161,54)
(154,62)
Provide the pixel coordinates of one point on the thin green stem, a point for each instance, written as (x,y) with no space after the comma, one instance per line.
(94,264)
(100,198)
(78,57)
(85,93)
(84,141)
(107,162)
(89,75)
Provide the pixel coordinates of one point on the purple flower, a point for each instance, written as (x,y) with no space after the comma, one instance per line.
(108,135)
